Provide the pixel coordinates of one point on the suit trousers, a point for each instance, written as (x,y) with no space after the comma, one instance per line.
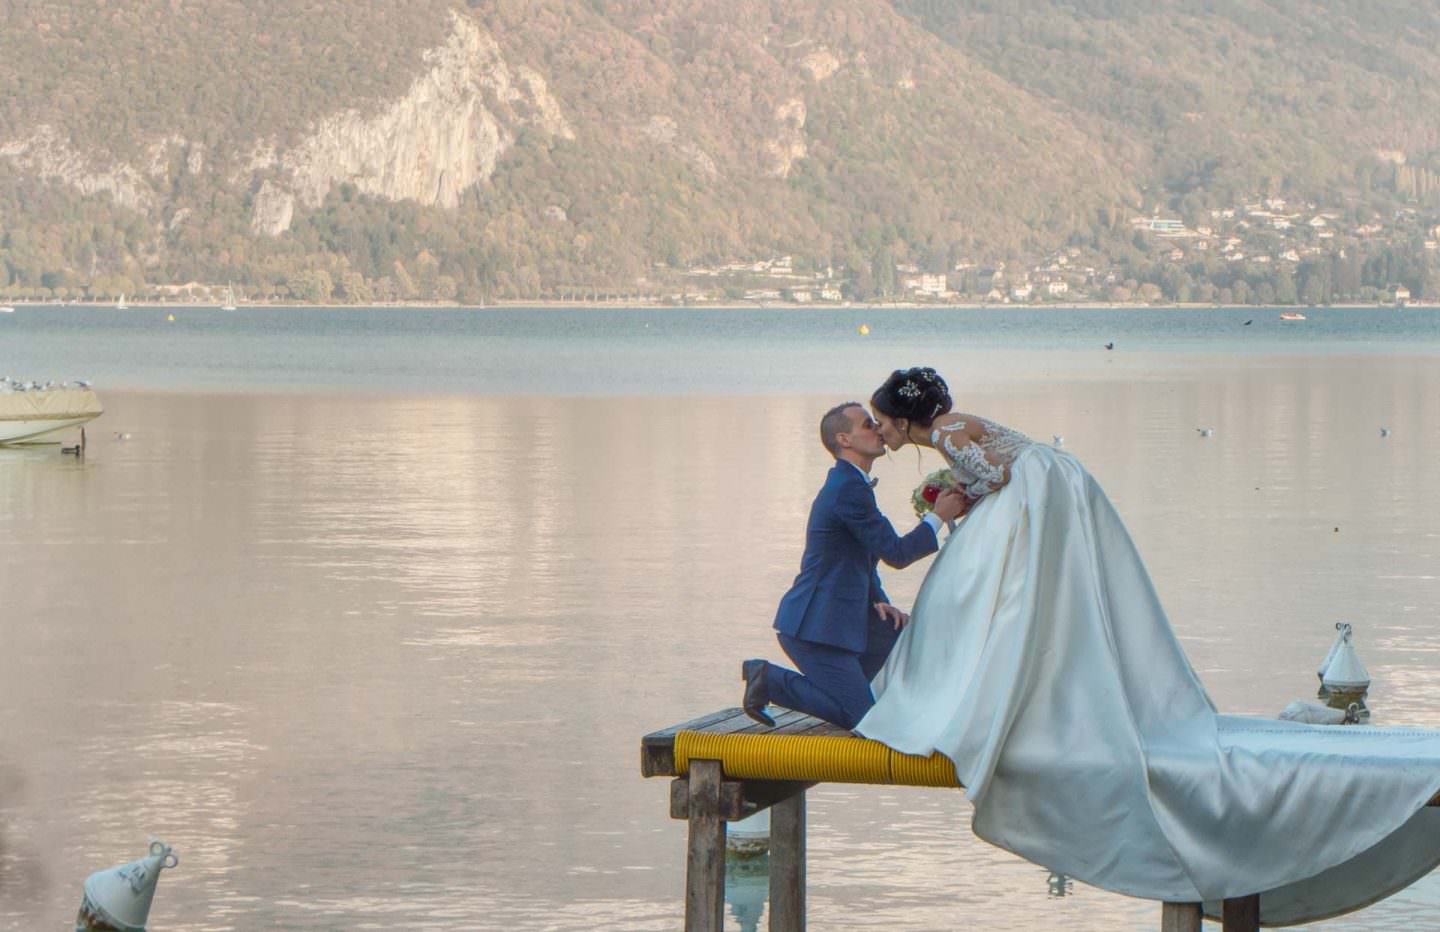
(833,683)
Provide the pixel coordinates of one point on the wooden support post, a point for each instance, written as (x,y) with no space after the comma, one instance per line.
(787,864)
(731,807)
(1242,914)
(739,799)
(1180,917)
(705,861)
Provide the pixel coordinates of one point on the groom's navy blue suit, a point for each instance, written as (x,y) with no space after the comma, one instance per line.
(827,622)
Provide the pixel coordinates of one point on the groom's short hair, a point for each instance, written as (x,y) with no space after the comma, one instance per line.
(835,422)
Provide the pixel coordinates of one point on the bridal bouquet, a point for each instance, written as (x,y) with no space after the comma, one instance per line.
(929,489)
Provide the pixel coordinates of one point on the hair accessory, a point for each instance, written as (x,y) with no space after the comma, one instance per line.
(908,390)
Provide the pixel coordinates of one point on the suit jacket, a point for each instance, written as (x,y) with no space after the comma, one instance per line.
(846,536)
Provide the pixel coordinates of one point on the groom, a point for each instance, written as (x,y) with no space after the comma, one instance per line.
(836,623)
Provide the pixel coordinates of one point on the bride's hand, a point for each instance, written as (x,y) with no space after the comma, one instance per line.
(888,612)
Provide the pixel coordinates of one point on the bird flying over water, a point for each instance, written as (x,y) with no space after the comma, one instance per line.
(1110,345)
(1205,431)
(1248,322)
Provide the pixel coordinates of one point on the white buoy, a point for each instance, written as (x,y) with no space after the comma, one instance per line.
(749,837)
(118,899)
(1341,629)
(1346,680)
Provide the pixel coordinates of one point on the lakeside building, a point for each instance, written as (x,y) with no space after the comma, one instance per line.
(1160,225)
(936,285)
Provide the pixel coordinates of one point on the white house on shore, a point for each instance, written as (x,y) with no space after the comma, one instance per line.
(936,285)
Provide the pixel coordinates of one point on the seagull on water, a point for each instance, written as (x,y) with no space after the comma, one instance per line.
(1110,345)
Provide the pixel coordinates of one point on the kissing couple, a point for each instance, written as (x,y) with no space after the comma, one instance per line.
(1039,660)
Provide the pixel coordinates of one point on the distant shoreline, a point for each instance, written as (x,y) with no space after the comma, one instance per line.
(722,306)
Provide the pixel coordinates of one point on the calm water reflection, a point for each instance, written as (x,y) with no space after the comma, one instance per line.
(383,662)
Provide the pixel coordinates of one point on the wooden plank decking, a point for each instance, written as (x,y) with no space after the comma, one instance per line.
(657,749)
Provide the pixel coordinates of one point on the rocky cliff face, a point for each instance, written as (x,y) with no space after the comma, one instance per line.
(46,155)
(273,209)
(665,132)
(789,145)
(443,136)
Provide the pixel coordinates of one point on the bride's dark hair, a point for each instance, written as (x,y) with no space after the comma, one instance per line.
(917,394)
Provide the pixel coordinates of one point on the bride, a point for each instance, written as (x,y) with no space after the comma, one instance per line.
(1038,659)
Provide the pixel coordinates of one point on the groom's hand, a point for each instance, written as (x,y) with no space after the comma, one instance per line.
(888,612)
(951,504)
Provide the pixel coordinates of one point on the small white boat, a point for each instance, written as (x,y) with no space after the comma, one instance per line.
(1292,316)
(229,304)
(121,305)
(28,415)
(6,309)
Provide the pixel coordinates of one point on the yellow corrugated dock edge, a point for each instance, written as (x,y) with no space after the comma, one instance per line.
(817,759)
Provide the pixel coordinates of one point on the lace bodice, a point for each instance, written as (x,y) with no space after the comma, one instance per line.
(983,466)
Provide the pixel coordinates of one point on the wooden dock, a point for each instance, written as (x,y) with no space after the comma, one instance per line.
(707,800)
(727,767)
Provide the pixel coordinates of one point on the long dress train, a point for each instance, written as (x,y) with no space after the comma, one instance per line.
(1038,658)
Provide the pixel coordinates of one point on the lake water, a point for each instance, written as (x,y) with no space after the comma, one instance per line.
(368,614)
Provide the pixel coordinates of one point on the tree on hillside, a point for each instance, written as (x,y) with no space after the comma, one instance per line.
(882,272)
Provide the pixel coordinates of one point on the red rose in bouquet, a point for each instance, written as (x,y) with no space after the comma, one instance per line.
(930,489)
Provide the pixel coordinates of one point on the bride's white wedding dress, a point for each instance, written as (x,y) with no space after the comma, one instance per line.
(1039,660)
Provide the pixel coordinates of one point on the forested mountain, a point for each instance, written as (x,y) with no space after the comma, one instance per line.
(379,150)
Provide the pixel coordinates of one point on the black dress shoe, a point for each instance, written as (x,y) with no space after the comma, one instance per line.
(756,695)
